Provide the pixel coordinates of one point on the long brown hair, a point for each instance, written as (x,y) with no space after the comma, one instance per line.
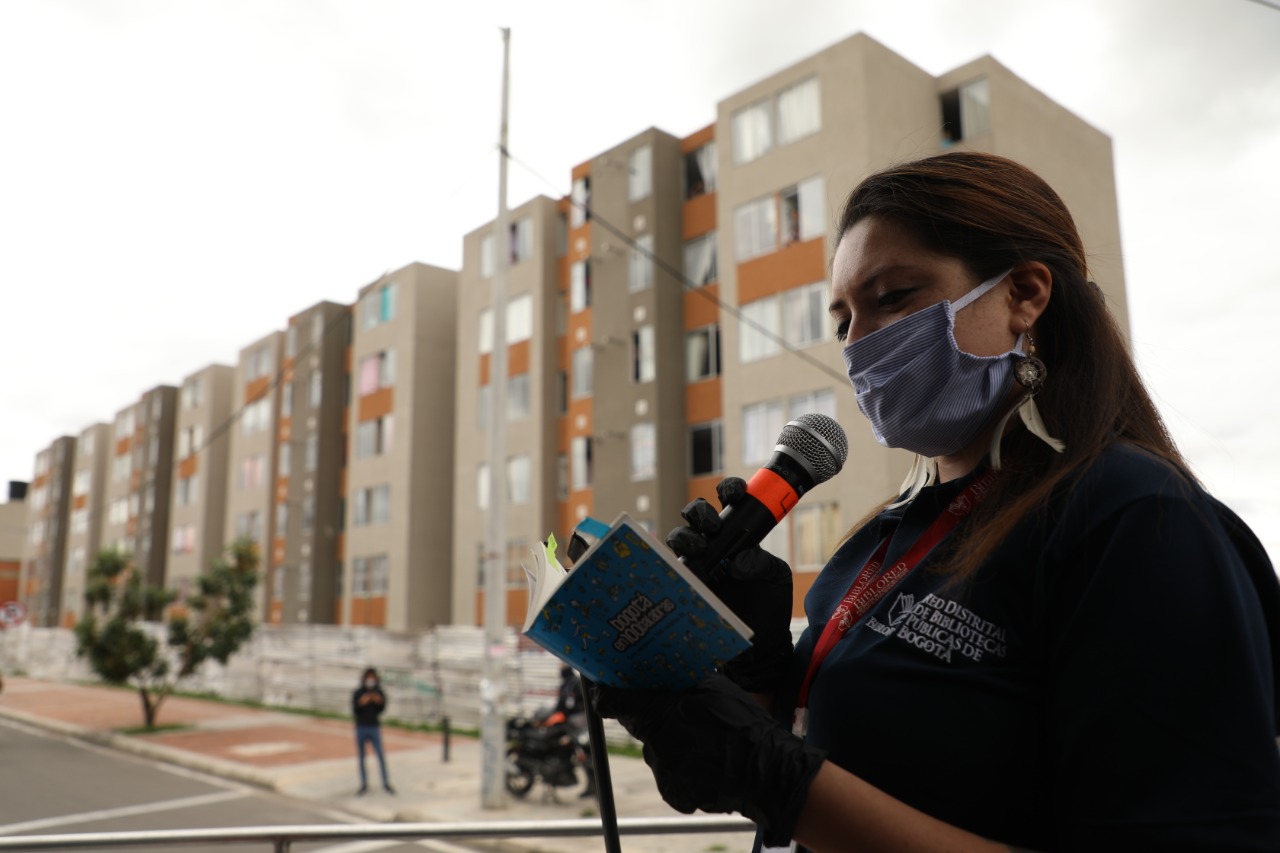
(993,213)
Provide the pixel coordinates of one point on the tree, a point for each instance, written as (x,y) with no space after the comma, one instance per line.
(214,622)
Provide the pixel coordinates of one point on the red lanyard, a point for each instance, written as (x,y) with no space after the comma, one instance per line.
(871,584)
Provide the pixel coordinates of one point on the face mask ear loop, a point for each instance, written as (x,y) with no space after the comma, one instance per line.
(923,472)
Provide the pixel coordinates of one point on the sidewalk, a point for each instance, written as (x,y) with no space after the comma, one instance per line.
(314,759)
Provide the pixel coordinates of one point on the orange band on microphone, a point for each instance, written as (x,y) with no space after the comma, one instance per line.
(774,492)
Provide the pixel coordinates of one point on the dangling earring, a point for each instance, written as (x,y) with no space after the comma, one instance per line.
(1030,373)
(1029,370)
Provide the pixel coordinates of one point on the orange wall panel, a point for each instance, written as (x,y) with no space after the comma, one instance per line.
(377,612)
(702,401)
(698,216)
(188,467)
(697,139)
(800,588)
(518,358)
(375,405)
(79,501)
(484,369)
(700,306)
(791,266)
(703,487)
(257,389)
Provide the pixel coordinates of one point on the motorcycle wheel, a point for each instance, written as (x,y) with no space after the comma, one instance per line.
(519,779)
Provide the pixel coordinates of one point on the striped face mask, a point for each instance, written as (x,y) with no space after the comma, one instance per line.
(919,391)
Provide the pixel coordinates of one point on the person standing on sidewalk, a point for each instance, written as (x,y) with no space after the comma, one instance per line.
(367,704)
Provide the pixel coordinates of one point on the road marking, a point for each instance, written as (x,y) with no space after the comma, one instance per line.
(124,811)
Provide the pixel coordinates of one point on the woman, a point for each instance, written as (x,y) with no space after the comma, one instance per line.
(1054,639)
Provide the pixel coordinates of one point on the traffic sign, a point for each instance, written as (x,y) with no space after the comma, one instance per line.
(12,612)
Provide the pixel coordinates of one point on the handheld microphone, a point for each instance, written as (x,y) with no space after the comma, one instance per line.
(811,450)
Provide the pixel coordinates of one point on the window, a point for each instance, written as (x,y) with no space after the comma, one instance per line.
(311,457)
(519,323)
(86,442)
(317,325)
(291,342)
(580,462)
(519,477)
(482,485)
(700,260)
(821,402)
(186,491)
(640,272)
(582,364)
(752,132)
(805,319)
(762,423)
(700,171)
(755,227)
(484,406)
(286,400)
(308,513)
(518,397)
(562,476)
(285,463)
(562,392)
(644,451)
(702,353)
(580,202)
(373,437)
(521,239)
(799,111)
(377,371)
(706,449)
(252,471)
(644,361)
(377,306)
(189,441)
(282,520)
(486,256)
(184,539)
(966,112)
(640,173)
(815,530)
(759,330)
(579,285)
(802,211)
(372,506)
(191,393)
(315,393)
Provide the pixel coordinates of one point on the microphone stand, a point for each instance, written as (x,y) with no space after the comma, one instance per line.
(604,782)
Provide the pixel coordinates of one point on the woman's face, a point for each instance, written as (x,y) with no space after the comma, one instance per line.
(880,274)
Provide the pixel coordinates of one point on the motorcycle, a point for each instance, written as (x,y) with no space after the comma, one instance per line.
(545,747)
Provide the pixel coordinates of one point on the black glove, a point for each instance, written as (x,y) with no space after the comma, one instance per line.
(756,586)
(714,748)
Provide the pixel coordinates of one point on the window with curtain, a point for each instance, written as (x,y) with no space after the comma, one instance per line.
(482,485)
(700,260)
(752,132)
(640,273)
(821,402)
(702,353)
(520,240)
(644,451)
(760,329)
(799,111)
(640,173)
(518,397)
(580,462)
(700,171)
(487,261)
(644,360)
(519,479)
(583,359)
(579,285)
(805,319)
(580,201)
(755,228)
(762,423)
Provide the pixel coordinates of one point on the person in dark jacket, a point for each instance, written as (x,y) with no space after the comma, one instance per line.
(367,704)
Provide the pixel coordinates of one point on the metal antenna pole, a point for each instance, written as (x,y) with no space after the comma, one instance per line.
(493,685)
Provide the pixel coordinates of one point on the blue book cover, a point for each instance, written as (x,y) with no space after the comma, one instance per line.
(629,613)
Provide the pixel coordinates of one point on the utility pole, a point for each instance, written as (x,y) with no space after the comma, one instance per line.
(493,683)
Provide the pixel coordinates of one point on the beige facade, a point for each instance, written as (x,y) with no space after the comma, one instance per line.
(745,208)
(202,443)
(88,494)
(48,500)
(311,465)
(251,509)
(398,540)
(13,540)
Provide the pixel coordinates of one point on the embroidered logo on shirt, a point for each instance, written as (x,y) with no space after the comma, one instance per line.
(942,627)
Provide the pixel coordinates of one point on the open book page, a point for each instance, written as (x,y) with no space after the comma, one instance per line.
(629,614)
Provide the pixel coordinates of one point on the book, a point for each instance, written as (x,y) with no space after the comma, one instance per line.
(628,613)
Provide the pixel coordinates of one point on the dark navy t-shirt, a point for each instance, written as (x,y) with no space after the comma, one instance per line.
(1107,679)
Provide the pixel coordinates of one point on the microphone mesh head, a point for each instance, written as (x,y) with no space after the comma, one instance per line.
(820,441)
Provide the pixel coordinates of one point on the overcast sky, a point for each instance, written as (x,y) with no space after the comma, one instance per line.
(177,178)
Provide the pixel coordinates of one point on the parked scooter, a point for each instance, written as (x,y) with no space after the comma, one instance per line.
(546,747)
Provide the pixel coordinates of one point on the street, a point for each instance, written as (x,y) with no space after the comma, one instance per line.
(55,785)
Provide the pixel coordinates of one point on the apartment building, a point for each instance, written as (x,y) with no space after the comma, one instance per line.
(139,480)
(311,457)
(398,541)
(251,508)
(13,539)
(671,382)
(88,496)
(202,444)
(48,500)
